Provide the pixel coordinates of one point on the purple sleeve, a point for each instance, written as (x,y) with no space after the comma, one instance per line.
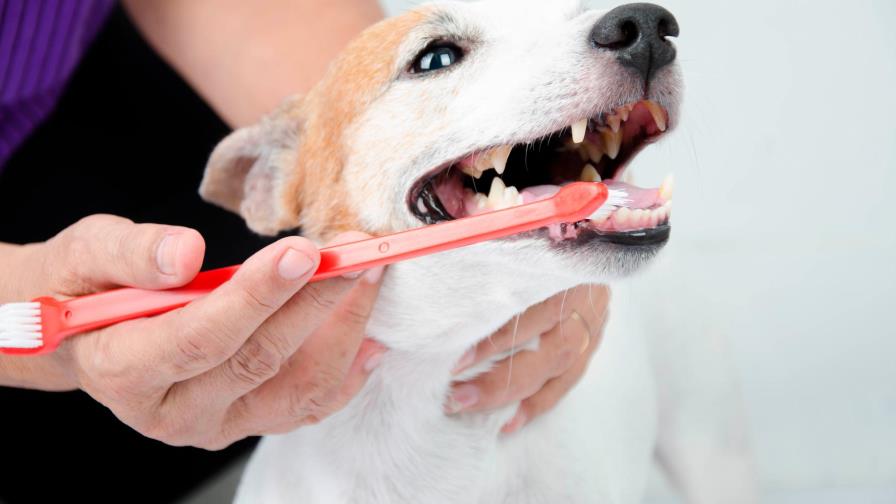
(41,42)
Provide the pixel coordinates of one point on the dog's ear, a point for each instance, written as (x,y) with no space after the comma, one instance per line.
(247,171)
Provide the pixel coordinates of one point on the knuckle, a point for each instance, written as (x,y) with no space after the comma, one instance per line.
(198,347)
(256,303)
(318,300)
(254,362)
(354,316)
(314,400)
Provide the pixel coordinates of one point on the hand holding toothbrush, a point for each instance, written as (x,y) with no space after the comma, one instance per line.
(210,373)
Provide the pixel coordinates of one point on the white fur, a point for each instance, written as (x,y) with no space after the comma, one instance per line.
(531,72)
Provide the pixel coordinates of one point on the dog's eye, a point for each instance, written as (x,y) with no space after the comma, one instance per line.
(437,57)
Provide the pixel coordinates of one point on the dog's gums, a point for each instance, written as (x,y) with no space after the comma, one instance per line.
(592,150)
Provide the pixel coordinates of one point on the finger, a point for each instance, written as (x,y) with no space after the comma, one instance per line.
(316,379)
(524,373)
(104,251)
(278,338)
(531,324)
(553,391)
(205,333)
(263,354)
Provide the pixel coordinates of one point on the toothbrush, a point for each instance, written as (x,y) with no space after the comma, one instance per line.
(39,326)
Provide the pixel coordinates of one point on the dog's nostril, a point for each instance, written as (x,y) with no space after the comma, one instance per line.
(637,34)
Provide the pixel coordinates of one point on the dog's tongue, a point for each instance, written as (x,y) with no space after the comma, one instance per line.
(638,197)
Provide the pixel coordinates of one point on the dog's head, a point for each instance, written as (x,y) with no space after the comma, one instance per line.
(460,108)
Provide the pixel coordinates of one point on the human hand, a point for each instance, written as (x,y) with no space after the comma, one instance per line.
(264,353)
(570,325)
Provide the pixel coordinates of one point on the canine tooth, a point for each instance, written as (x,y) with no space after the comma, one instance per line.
(481,201)
(667,187)
(594,152)
(612,141)
(623,112)
(421,206)
(589,174)
(496,193)
(659,117)
(614,121)
(499,157)
(578,131)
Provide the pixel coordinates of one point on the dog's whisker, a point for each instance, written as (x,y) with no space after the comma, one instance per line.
(516,326)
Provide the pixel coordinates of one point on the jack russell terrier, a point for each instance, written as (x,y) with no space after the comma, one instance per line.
(450,110)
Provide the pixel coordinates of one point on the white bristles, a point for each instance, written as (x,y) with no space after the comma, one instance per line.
(615,200)
(20,325)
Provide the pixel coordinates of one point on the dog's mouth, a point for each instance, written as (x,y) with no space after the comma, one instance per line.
(593,150)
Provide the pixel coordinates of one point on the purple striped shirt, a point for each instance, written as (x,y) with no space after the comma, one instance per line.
(41,42)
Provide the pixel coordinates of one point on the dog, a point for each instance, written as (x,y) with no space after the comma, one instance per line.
(456,109)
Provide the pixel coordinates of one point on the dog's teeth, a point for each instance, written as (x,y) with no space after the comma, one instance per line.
(614,121)
(659,117)
(594,152)
(612,141)
(481,201)
(578,131)
(421,206)
(623,112)
(667,187)
(589,174)
(469,167)
(512,197)
(499,157)
(622,217)
(496,193)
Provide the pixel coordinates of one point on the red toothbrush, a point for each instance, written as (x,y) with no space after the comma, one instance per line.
(40,326)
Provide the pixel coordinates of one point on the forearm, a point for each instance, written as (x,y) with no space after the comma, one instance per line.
(244,57)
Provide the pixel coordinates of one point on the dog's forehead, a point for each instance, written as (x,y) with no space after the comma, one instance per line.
(502,17)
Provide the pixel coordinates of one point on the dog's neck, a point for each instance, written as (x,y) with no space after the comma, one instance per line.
(430,311)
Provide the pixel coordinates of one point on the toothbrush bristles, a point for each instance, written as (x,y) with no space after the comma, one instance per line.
(20,326)
(615,200)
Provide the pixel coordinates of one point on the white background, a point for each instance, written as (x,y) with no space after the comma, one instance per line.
(784,229)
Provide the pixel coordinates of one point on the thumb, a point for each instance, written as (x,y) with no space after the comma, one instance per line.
(103,251)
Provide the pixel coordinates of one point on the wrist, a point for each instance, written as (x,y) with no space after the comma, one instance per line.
(45,372)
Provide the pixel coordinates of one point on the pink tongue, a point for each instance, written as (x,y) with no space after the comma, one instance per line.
(638,197)
(538,193)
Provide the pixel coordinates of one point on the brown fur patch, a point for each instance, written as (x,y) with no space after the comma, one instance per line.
(314,191)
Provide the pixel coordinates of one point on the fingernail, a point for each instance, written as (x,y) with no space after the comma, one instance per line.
(294,265)
(166,254)
(515,423)
(463,397)
(465,360)
(373,362)
(354,275)
(373,276)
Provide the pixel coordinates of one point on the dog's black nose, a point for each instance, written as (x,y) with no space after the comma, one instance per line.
(637,34)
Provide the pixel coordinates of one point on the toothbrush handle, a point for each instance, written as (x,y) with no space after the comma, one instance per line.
(573,203)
